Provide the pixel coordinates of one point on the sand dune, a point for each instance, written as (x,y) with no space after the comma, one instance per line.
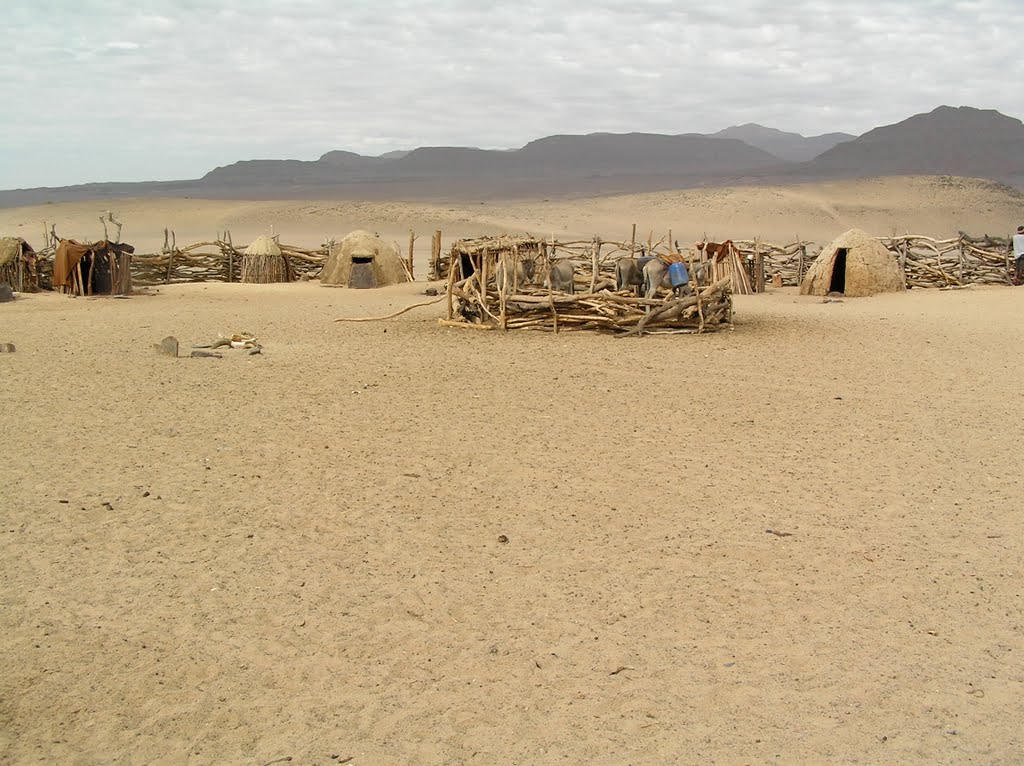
(932,206)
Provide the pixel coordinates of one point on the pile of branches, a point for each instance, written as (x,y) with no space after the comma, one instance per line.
(954,262)
(477,302)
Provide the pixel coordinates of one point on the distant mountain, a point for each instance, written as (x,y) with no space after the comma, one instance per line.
(572,156)
(960,141)
(610,153)
(947,141)
(787,146)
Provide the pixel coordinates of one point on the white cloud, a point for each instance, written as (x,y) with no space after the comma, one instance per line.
(171,88)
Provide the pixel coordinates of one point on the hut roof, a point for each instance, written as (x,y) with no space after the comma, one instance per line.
(869,267)
(11,248)
(263,246)
(504,242)
(380,257)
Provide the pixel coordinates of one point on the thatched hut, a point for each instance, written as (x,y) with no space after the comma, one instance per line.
(18,264)
(363,259)
(263,263)
(854,264)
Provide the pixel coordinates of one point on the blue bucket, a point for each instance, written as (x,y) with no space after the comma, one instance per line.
(677,274)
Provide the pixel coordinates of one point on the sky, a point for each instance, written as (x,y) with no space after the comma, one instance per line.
(100,90)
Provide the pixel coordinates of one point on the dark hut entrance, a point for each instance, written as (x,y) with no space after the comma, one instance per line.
(99,273)
(468,264)
(838,283)
(362,275)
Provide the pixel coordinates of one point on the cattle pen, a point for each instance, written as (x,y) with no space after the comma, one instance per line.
(476,299)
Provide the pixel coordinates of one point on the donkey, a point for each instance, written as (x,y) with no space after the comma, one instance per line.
(561,276)
(515,274)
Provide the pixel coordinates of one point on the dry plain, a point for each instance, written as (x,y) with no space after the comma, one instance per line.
(400,543)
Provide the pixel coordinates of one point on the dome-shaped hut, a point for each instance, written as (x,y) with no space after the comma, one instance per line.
(263,262)
(363,259)
(854,264)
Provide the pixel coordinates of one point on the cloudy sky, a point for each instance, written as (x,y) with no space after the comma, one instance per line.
(98,90)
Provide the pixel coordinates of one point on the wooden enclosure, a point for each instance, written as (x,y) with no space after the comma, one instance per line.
(476,298)
(750,265)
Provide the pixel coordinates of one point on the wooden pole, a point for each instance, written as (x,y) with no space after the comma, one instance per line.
(960,249)
(595,256)
(632,243)
(231,256)
(412,243)
(435,255)
(92,266)
(554,309)
(507,280)
(451,283)
(758,266)
(484,276)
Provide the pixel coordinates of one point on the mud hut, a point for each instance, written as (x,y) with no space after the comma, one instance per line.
(263,263)
(363,260)
(18,266)
(854,264)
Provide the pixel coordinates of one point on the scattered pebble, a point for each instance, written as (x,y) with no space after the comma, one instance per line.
(168,346)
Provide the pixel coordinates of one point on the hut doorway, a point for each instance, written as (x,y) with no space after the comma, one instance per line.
(362,275)
(838,282)
(468,265)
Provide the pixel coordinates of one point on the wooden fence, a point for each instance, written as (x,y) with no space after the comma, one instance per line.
(215,261)
(927,261)
(960,260)
(484,290)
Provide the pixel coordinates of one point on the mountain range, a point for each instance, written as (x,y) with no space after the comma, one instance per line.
(786,146)
(946,141)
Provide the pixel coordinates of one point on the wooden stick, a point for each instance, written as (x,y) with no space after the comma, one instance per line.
(390,316)
(451,323)
(412,242)
(451,284)
(758,266)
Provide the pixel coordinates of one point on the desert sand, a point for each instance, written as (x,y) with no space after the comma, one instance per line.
(398,543)
(819,212)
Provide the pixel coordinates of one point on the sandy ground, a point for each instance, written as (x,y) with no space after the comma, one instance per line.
(302,553)
(937,207)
